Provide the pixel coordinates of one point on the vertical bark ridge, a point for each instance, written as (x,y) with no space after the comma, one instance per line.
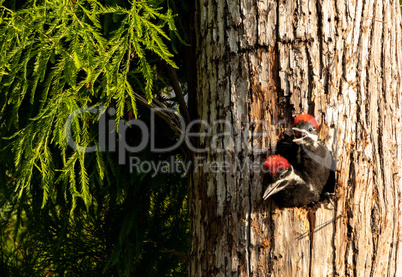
(398,138)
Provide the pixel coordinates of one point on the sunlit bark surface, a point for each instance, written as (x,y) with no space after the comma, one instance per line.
(266,61)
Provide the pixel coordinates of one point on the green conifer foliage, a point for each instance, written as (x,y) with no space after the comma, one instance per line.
(72,212)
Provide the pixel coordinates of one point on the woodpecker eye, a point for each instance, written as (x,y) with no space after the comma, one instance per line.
(282,174)
(310,129)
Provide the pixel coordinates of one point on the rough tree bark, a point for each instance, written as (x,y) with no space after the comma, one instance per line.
(270,60)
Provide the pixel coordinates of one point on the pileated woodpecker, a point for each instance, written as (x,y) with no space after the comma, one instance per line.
(313,157)
(301,168)
(288,186)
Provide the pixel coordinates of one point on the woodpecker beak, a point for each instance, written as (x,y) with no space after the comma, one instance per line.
(302,134)
(272,189)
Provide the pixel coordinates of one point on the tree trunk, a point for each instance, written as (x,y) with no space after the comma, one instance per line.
(264,62)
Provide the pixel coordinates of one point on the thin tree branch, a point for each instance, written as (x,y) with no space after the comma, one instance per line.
(178,91)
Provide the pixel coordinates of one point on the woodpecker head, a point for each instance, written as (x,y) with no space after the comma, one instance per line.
(280,171)
(306,129)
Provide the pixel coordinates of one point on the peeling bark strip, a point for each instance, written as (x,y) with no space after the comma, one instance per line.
(268,60)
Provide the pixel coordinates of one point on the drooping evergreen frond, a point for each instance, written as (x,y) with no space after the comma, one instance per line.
(58,51)
(68,69)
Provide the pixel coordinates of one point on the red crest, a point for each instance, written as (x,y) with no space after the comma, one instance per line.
(306,118)
(275,163)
